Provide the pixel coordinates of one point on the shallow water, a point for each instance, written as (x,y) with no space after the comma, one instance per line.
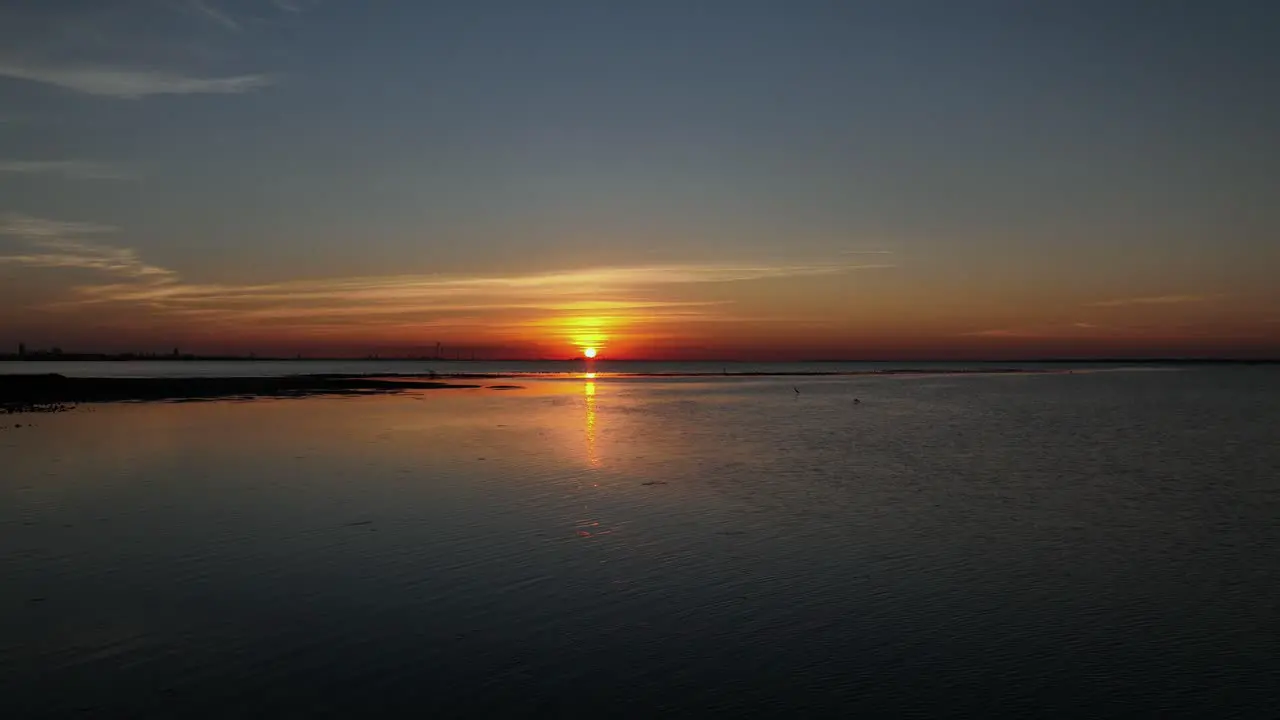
(1093,544)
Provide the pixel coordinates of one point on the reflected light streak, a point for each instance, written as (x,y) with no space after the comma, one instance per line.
(589,421)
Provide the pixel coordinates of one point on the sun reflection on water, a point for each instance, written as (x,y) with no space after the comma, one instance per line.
(589,421)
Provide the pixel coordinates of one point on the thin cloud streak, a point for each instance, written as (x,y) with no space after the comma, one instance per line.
(33,228)
(54,244)
(627,308)
(132,83)
(597,292)
(1040,331)
(214,14)
(87,256)
(617,297)
(71,169)
(1155,300)
(587,283)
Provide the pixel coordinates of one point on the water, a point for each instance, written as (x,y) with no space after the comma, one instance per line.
(1040,545)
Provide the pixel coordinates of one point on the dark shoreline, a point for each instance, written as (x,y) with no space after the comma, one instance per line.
(29,392)
(25,391)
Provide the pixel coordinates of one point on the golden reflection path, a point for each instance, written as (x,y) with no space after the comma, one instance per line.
(589,421)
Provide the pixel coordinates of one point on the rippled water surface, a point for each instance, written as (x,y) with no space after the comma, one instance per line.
(1056,545)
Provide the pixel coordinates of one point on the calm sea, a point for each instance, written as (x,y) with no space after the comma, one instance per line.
(1094,544)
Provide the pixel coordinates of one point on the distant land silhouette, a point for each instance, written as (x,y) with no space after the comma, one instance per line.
(58,355)
(26,393)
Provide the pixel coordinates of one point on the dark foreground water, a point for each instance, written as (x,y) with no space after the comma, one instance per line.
(1084,545)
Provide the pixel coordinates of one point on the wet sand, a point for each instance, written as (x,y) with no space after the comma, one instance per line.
(26,391)
(33,392)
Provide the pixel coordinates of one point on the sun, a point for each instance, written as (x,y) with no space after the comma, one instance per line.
(589,353)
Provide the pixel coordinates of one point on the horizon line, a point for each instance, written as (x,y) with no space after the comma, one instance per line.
(73,356)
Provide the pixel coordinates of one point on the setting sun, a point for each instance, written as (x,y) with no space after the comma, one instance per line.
(589,352)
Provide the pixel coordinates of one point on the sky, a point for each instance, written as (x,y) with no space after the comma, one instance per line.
(727,179)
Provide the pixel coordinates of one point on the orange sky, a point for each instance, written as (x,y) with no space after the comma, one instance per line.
(863,305)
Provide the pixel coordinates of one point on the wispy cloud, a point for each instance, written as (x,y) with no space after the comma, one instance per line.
(610,295)
(578,285)
(1153,300)
(601,302)
(132,83)
(73,169)
(385,312)
(211,12)
(27,227)
(86,256)
(1050,330)
(59,244)
(216,12)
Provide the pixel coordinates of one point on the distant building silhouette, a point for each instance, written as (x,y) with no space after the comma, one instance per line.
(22,350)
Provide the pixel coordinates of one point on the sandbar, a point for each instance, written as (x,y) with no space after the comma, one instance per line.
(25,391)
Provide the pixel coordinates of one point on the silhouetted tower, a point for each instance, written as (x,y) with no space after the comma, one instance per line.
(22,350)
